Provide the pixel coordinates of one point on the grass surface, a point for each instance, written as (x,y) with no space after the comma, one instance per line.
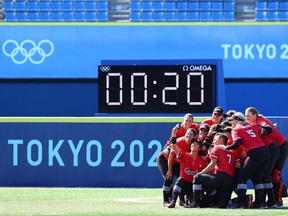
(104,201)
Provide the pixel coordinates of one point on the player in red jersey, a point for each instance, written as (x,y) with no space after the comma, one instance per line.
(278,156)
(188,122)
(190,164)
(224,162)
(170,167)
(216,118)
(248,135)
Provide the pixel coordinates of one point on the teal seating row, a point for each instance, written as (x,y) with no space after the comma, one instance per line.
(271,5)
(55,6)
(137,5)
(182,16)
(58,16)
(272,15)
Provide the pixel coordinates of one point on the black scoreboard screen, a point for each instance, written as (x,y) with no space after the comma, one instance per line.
(156,88)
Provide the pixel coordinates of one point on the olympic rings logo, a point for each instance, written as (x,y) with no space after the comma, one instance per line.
(28,50)
(105,68)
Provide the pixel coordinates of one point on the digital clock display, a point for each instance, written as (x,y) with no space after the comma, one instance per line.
(156,88)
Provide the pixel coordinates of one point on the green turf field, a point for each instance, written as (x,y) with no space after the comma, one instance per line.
(104,201)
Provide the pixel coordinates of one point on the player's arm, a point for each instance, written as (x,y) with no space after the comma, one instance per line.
(234,145)
(207,169)
(169,173)
(174,140)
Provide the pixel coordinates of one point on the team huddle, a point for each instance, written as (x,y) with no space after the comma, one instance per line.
(212,159)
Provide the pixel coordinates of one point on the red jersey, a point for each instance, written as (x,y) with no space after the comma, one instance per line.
(181,143)
(208,121)
(239,150)
(275,136)
(182,131)
(189,167)
(226,160)
(249,134)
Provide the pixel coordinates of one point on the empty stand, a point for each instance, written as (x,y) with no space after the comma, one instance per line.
(193,16)
(170,16)
(68,16)
(182,6)
(33,16)
(283,15)
(170,6)
(80,16)
(158,16)
(143,10)
(159,5)
(217,16)
(217,6)
(91,16)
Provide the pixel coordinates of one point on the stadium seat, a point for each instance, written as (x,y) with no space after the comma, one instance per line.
(91,16)
(194,6)
(182,6)
(170,16)
(32,6)
(102,6)
(135,16)
(228,16)
(56,6)
(261,16)
(159,5)
(8,6)
(283,15)
(10,16)
(147,16)
(20,6)
(217,16)
(272,15)
(217,6)
(67,6)
(79,6)
(44,6)
(193,16)
(103,16)
(272,6)
(182,16)
(56,16)
(205,6)
(135,5)
(158,16)
(229,6)
(261,5)
(21,16)
(147,6)
(33,16)
(204,16)
(80,16)
(44,16)
(91,6)
(170,5)
(68,16)
(283,6)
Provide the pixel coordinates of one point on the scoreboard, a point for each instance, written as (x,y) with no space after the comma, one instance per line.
(178,88)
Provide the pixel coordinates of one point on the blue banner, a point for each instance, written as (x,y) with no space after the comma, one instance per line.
(75,51)
(82,154)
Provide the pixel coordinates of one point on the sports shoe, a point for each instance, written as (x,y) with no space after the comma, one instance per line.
(270,205)
(258,205)
(192,205)
(249,201)
(181,203)
(171,205)
(165,204)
